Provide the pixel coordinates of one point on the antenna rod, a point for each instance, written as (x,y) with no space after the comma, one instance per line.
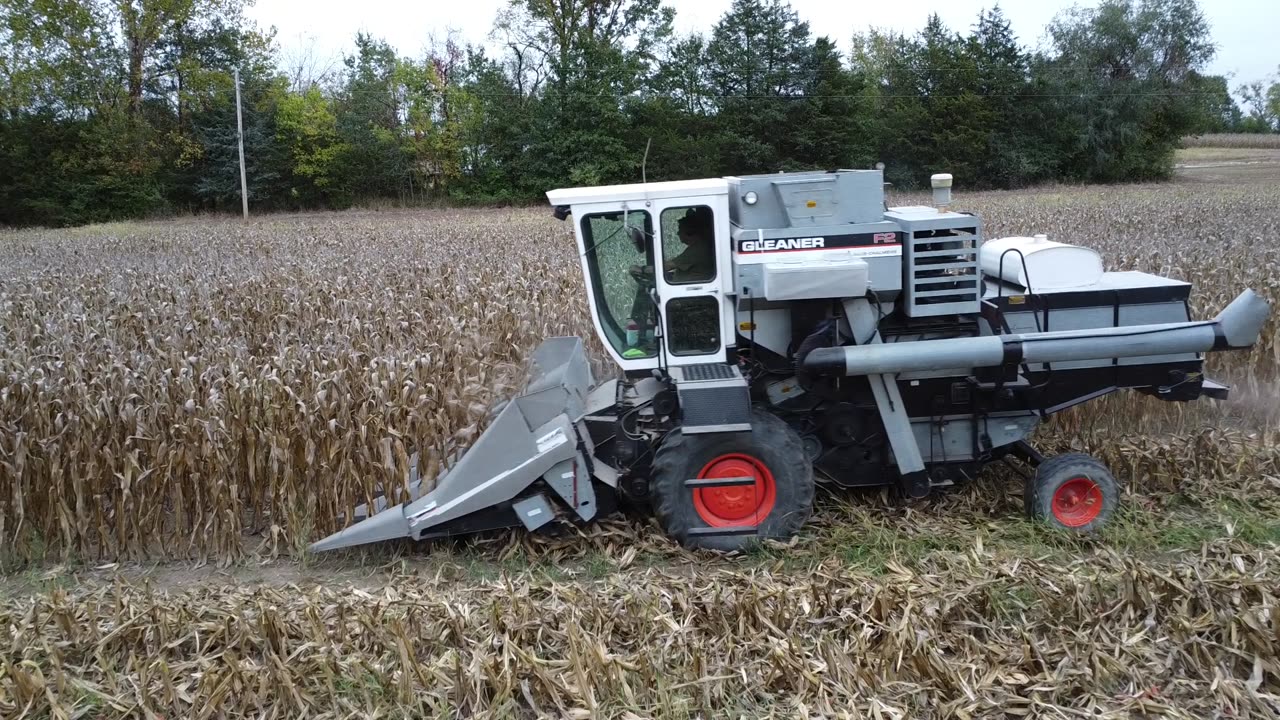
(644,164)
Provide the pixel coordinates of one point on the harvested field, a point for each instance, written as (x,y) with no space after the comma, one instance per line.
(1233,140)
(960,635)
(1220,165)
(218,392)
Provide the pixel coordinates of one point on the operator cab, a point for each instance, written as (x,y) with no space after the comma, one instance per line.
(658,263)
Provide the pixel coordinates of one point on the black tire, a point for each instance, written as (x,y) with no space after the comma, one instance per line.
(1090,493)
(772,443)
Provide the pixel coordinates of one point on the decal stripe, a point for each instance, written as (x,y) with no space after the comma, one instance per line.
(834,242)
(820,249)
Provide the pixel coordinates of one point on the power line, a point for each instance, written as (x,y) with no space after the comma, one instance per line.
(865,96)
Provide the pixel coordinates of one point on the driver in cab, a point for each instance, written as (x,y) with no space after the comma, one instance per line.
(697,262)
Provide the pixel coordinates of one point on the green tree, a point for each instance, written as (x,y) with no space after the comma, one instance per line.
(1012,154)
(150,29)
(122,108)
(98,99)
(583,59)
(1219,111)
(756,63)
(1273,101)
(436,111)
(674,119)
(374,163)
(830,123)
(1262,101)
(200,126)
(307,129)
(496,128)
(58,58)
(214,169)
(934,111)
(1122,82)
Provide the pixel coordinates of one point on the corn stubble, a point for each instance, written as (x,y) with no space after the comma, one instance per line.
(971,637)
(221,391)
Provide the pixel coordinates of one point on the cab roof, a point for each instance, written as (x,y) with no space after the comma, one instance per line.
(638,191)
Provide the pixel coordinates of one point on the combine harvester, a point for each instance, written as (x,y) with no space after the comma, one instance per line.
(775,331)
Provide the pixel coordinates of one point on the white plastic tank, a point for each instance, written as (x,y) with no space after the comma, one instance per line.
(1050,265)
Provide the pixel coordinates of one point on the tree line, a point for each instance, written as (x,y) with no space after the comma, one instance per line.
(115,109)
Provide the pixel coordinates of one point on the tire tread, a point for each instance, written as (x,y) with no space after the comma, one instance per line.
(1039,483)
(670,501)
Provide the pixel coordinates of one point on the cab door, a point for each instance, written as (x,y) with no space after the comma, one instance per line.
(694,278)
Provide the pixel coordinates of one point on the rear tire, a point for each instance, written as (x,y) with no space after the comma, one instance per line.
(1073,491)
(777,506)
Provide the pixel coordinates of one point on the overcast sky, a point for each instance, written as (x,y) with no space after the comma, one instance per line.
(1244,30)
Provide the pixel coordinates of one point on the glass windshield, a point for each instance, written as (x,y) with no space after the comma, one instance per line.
(620,260)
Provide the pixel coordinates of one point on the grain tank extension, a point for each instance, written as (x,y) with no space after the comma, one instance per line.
(775,333)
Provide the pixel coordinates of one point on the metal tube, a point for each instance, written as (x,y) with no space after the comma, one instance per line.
(1125,342)
(1237,326)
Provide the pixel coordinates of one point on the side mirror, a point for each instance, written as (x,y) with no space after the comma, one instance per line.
(638,238)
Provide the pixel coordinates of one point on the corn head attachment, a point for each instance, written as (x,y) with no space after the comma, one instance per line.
(532,437)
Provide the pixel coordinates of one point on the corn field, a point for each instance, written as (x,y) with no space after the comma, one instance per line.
(220,392)
(198,389)
(173,389)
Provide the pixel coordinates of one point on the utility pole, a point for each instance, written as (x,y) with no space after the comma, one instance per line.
(244,185)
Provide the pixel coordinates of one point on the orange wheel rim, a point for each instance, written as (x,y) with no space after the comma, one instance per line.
(736,505)
(1077,502)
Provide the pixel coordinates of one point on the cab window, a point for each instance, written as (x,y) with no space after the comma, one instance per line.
(620,259)
(694,325)
(688,245)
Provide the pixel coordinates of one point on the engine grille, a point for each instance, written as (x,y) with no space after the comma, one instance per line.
(942,273)
(709,371)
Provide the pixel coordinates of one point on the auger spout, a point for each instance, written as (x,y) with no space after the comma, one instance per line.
(1236,327)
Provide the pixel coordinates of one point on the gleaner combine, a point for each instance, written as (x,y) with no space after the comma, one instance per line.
(780,331)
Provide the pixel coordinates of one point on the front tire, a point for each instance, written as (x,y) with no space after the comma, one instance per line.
(775,507)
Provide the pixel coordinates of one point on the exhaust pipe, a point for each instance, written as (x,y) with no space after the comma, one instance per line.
(1235,328)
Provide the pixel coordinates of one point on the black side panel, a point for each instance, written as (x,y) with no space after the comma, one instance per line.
(490,518)
(1067,299)
(1049,391)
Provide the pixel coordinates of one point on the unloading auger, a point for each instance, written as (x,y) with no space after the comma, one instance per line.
(776,332)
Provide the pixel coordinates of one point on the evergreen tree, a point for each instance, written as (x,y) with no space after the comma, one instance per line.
(755,66)
(829,126)
(369,113)
(584,59)
(1011,155)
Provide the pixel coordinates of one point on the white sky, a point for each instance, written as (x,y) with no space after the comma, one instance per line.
(1244,30)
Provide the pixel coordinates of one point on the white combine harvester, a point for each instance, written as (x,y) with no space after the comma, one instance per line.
(777,331)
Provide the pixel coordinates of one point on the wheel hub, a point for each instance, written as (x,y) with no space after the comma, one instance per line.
(735,505)
(1077,502)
